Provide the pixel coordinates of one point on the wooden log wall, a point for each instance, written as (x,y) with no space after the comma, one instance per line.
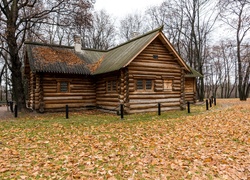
(31,90)
(81,92)
(190,93)
(163,68)
(183,102)
(124,89)
(37,92)
(109,100)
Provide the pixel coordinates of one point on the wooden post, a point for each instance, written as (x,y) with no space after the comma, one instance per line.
(207,104)
(159,109)
(188,104)
(67,112)
(210,102)
(122,109)
(15,111)
(215,101)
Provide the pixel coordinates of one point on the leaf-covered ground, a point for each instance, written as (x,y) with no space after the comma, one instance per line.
(212,144)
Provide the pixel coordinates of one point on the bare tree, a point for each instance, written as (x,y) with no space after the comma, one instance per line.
(221,60)
(131,26)
(61,25)
(236,14)
(17,19)
(101,33)
(170,14)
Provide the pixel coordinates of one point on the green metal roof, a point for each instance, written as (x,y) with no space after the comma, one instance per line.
(193,73)
(91,61)
(121,55)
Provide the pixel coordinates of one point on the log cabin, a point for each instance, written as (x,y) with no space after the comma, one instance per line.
(139,74)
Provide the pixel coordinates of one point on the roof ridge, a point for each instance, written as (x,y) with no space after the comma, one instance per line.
(47,44)
(139,37)
(92,49)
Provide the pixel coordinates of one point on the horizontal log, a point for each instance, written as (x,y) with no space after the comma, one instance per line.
(89,91)
(106,99)
(150,73)
(75,105)
(149,52)
(100,93)
(176,88)
(189,93)
(161,57)
(158,81)
(70,101)
(56,78)
(67,94)
(149,66)
(101,88)
(155,101)
(161,68)
(132,88)
(159,50)
(108,94)
(164,94)
(50,90)
(63,98)
(83,86)
(105,103)
(159,89)
(153,105)
(49,87)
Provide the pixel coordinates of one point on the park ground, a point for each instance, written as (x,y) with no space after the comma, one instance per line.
(213,144)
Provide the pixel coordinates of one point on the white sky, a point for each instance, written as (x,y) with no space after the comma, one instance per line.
(120,8)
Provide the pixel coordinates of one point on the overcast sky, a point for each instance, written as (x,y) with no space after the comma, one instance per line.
(119,8)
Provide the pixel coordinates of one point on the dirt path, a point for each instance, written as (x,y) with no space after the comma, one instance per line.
(4,113)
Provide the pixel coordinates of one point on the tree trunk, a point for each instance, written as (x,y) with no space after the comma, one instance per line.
(201,90)
(18,88)
(15,61)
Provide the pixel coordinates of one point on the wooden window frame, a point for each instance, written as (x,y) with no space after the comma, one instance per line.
(111,86)
(59,87)
(172,85)
(144,85)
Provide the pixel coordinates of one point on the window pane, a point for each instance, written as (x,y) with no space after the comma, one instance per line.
(113,85)
(139,84)
(109,86)
(63,87)
(148,84)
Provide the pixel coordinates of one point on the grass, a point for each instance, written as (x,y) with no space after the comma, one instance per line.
(96,145)
(92,118)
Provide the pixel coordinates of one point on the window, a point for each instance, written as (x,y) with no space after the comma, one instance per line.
(148,84)
(63,87)
(111,86)
(168,84)
(144,85)
(139,84)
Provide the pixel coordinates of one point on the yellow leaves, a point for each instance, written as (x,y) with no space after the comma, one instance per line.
(48,55)
(214,144)
(208,160)
(3,170)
